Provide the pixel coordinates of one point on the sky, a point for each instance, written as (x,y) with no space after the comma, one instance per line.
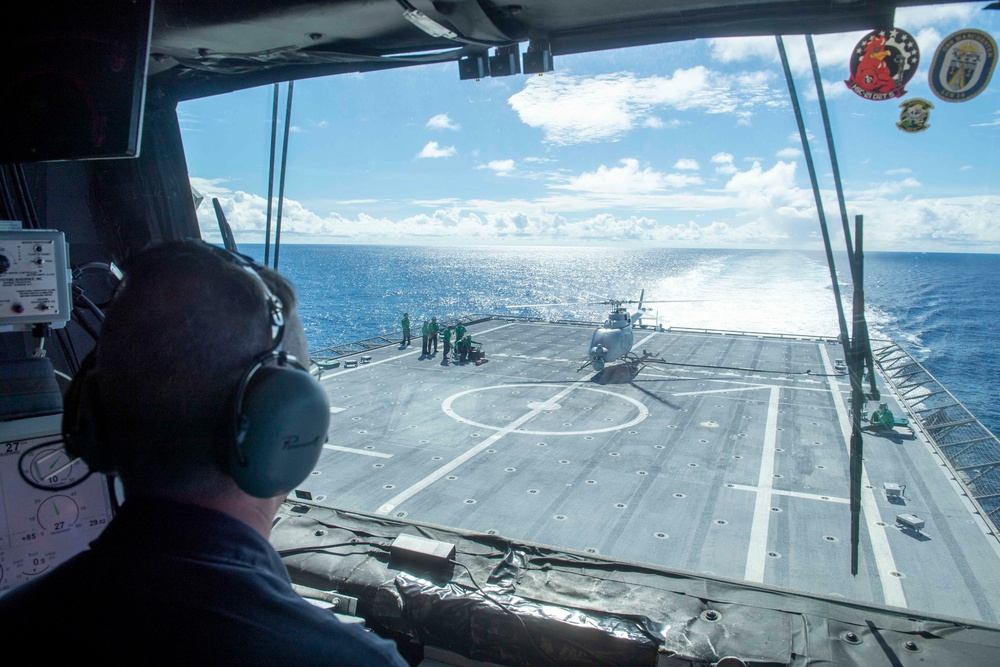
(689,144)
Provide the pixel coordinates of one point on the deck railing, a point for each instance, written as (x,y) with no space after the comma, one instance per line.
(969,448)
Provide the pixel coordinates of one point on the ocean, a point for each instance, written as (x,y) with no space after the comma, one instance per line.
(944,309)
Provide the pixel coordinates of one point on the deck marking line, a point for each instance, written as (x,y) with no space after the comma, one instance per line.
(334,411)
(351,450)
(408,493)
(795,494)
(722,391)
(398,356)
(642,410)
(757,550)
(892,587)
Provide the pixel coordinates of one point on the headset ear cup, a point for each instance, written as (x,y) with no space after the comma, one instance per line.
(83,426)
(281,425)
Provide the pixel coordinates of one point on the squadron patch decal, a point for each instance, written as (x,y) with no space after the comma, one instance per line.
(914,115)
(963,65)
(882,63)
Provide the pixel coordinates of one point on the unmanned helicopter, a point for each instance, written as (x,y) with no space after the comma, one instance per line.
(613,340)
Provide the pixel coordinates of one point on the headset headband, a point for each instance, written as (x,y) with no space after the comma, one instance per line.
(274,305)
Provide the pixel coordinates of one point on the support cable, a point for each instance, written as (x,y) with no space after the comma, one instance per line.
(833,151)
(281,174)
(841,320)
(270,176)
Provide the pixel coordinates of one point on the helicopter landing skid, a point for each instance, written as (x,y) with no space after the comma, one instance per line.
(634,362)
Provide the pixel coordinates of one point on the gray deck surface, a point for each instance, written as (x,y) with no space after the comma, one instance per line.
(739,474)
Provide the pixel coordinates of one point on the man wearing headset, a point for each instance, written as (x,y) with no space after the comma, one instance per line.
(177,401)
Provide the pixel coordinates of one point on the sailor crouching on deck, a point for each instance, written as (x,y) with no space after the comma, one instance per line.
(189,384)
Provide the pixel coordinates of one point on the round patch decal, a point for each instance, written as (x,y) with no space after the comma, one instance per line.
(882,63)
(963,65)
(914,115)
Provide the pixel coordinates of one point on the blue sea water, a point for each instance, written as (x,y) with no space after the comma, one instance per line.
(943,308)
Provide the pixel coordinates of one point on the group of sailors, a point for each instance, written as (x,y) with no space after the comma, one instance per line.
(465,349)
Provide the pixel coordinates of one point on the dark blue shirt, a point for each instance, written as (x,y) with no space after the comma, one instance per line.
(180,584)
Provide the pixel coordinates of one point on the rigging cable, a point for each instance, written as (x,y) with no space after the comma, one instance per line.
(841,320)
(270,175)
(281,174)
(833,152)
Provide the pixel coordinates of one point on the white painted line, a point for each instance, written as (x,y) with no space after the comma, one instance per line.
(545,406)
(406,494)
(723,391)
(641,342)
(892,587)
(398,356)
(334,411)
(795,494)
(757,550)
(351,450)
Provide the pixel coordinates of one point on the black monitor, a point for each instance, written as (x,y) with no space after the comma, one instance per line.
(73,79)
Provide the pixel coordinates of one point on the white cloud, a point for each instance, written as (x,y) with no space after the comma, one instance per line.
(789,153)
(966,167)
(571,109)
(995,121)
(880,190)
(501,167)
(209,188)
(443,122)
(687,164)
(896,172)
(433,150)
(757,207)
(627,178)
(323,123)
(914,18)
(539,160)
(295,129)
(725,162)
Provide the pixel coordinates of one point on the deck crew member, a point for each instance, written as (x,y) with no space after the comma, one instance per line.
(447,342)
(459,332)
(406,329)
(435,328)
(184,573)
(425,331)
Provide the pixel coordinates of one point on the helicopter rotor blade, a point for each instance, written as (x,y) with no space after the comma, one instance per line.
(568,303)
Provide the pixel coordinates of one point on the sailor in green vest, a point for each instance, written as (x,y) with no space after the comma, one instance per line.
(406,329)
(459,333)
(447,342)
(425,330)
(883,417)
(435,328)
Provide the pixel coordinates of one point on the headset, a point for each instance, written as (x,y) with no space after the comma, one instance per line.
(280,415)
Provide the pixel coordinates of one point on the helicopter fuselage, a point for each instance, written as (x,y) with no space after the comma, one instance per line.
(613,339)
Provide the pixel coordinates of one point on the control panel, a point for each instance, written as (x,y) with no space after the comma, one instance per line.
(34,279)
(56,516)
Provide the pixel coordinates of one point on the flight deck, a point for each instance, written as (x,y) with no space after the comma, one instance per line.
(728,458)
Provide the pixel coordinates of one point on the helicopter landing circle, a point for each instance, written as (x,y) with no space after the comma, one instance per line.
(539,407)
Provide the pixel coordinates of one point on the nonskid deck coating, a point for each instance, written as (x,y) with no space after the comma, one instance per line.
(735,473)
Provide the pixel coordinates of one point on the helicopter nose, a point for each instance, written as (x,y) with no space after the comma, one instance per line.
(597,356)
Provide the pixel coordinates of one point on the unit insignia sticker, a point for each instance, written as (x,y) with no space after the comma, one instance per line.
(914,115)
(883,63)
(963,65)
